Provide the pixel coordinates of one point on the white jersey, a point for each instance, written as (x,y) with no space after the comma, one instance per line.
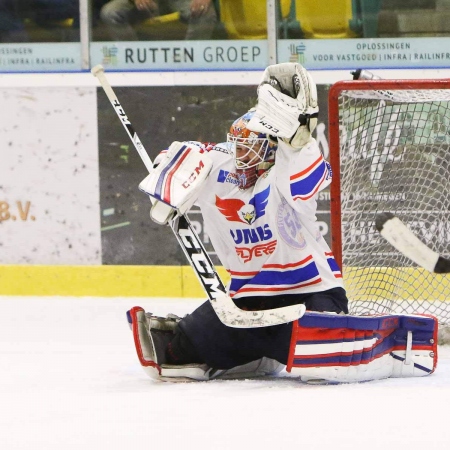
(267,236)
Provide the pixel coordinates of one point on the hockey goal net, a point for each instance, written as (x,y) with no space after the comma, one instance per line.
(390,152)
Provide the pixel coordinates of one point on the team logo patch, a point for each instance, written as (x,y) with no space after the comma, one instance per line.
(251,235)
(248,253)
(330,172)
(289,226)
(318,235)
(228,177)
(236,210)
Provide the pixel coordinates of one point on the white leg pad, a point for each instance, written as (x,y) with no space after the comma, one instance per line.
(349,349)
(146,349)
(260,368)
(143,343)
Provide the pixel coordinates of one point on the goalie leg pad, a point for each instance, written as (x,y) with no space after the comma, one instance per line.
(145,348)
(362,348)
(151,336)
(201,372)
(259,368)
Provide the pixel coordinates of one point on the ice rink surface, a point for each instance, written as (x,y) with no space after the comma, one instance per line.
(70,380)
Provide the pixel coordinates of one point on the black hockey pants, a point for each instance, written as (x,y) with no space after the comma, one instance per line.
(202,338)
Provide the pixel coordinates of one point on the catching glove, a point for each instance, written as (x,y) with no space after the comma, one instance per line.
(287,104)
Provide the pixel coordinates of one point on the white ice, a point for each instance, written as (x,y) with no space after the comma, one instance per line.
(70,379)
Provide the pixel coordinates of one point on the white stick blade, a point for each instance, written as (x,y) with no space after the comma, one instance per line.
(232,316)
(404,240)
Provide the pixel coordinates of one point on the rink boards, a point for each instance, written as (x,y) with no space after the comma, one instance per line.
(72,221)
(166,281)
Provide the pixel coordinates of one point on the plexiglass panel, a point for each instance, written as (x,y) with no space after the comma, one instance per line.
(181,35)
(349,34)
(39,36)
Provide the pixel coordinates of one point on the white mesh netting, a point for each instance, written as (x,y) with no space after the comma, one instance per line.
(395,157)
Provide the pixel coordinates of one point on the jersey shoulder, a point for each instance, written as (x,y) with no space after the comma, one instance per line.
(220,148)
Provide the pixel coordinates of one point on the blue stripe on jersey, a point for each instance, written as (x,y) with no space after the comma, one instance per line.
(307,185)
(274,277)
(333,264)
(160,183)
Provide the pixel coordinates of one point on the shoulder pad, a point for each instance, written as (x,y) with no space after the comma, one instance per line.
(223,147)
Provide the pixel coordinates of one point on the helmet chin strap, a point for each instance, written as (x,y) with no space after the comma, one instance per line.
(248,177)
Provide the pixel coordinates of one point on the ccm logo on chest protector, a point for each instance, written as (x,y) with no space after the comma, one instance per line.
(192,177)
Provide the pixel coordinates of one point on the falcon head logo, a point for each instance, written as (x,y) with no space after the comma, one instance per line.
(236,210)
(247,213)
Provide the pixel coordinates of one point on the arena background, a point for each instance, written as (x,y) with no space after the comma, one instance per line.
(160,116)
(72,220)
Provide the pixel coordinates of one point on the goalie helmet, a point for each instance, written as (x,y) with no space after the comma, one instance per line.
(253,151)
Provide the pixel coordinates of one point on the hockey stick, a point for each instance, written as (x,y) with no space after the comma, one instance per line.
(407,243)
(194,250)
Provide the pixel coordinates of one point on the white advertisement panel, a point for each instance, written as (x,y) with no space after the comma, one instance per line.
(366,53)
(314,54)
(29,57)
(49,195)
(181,55)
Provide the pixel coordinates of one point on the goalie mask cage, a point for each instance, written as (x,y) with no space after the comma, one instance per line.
(390,152)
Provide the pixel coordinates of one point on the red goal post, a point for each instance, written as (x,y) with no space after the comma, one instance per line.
(390,151)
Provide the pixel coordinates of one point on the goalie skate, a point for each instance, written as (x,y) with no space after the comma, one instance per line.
(152,334)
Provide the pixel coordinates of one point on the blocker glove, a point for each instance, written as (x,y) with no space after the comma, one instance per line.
(175,183)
